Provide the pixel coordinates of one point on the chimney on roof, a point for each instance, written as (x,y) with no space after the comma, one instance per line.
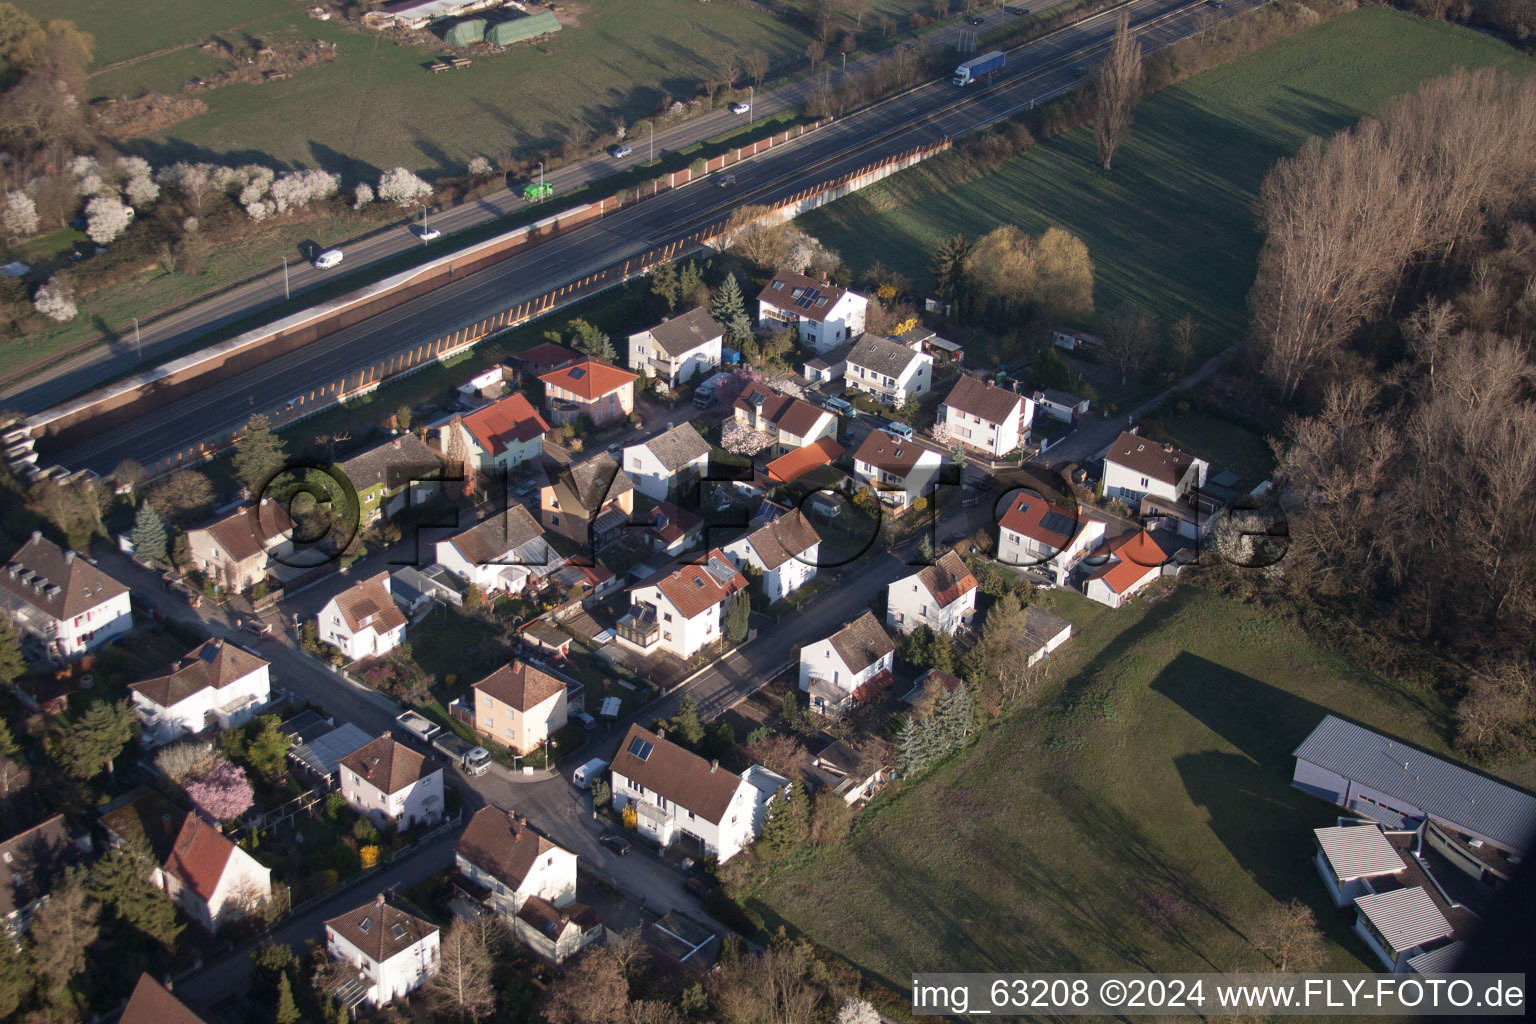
(69,556)
(1167,447)
(378,900)
(661,733)
(165,823)
(169,982)
(714,766)
(37,534)
(397,442)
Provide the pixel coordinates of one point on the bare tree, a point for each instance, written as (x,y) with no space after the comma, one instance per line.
(592,990)
(815,50)
(1119,87)
(1128,340)
(756,65)
(1288,935)
(462,985)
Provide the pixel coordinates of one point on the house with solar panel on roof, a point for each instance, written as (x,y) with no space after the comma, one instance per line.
(680,610)
(218,685)
(589,388)
(394,951)
(504,553)
(825,315)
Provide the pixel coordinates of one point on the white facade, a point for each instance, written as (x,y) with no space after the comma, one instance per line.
(820,662)
(226,706)
(916,379)
(420,802)
(663,820)
(1131,485)
(509,572)
(655,480)
(908,604)
(402,973)
(842,321)
(996,439)
(1023,552)
(71,637)
(552,877)
(782,580)
(681,635)
(897,490)
(1108,590)
(242,887)
(646,356)
(380,636)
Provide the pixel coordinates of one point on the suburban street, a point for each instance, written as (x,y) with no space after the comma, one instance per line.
(924,115)
(166,333)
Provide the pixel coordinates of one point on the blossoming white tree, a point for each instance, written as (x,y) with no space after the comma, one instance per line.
(106,218)
(401,187)
(20,215)
(480,167)
(55,301)
(362,195)
(857,1011)
(300,188)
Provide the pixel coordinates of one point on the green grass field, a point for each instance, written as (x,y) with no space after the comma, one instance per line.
(1172,227)
(125,31)
(1140,819)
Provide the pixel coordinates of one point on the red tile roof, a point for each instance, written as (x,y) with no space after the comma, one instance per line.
(947,579)
(199,857)
(251,530)
(367,604)
(679,775)
(547,356)
(1135,555)
(788,468)
(152,1003)
(1031,516)
(694,589)
(589,379)
(791,415)
(513,420)
(502,846)
(520,686)
(389,766)
(215,664)
(1150,458)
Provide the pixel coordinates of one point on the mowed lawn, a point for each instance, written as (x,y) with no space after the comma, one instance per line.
(1141,819)
(1172,228)
(127,30)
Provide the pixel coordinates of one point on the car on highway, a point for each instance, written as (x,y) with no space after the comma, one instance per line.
(1016,10)
(739,108)
(726,180)
(620,152)
(1220,5)
(426,233)
(975,21)
(328,259)
(618,844)
(1078,71)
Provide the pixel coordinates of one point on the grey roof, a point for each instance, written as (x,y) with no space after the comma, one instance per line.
(1404,917)
(1040,628)
(1439,961)
(1358,851)
(687,332)
(677,447)
(324,753)
(1056,397)
(1444,791)
(882,355)
(862,642)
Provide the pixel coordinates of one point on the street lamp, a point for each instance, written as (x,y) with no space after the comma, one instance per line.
(652,125)
(751,104)
(286,293)
(138,345)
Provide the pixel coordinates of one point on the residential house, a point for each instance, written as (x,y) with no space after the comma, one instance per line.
(1400,925)
(676,349)
(589,388)
(1137,466)
(1074,340)
(1135,560)
(1034,533)
(520,706)
(848,667)
(394,951)
(546,357)
(235,551)
(32,861)
(678,796)
(217,685)
(589,502)
(504,553)
(557,933)
(898,471)
(794,465)
(152,1003)
(1043,633)
(928,341)
(680,610)
(784,550)
(496,439)
(62,602)
(393,784)
(1475,824)
(668,464)
(792,422)
(824,314)
(389,476)
(671,529)
(512,863)
(887,371)
(362,621)
(829,366)
(1351,858)
(681,944)
(212,880)
(854,769)
(1062,406)
(984,416)
(941,596)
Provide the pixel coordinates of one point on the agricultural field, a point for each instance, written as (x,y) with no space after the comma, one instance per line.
(1140,817)
(1172,227)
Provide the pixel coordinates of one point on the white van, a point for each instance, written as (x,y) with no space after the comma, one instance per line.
(328,259)
(584,775)
(900,430)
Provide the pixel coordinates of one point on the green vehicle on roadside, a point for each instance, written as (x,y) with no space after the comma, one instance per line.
(538,191)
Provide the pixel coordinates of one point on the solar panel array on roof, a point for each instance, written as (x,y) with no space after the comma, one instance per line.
(641,748)
(578,373)
(1059,522)
(807,298)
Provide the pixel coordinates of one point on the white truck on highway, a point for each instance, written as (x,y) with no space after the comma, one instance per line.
(974,68)
(474,760)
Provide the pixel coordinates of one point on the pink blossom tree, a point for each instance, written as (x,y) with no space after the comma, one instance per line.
(730,389)
(222,793)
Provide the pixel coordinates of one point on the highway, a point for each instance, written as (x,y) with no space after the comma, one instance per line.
(923,115)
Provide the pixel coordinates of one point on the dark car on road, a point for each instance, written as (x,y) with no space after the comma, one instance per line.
(975,21)
(698,887)
(618,844)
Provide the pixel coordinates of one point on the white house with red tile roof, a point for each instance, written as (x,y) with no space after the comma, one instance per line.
(898,470)
(793,422)
(825,315)
(1033,533)
(217,685)
(394,951)
(390,782)
(941,596)
(682,609)
(982,415)
(62,600)
(502,435)
(676,349)
(235,551)
(1136,466)
(1135,560)
(362,621)
(784,550)
(211,879)
(589,388)
(848,667)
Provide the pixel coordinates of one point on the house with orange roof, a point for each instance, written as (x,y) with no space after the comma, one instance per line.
(589,388)
(680,610)
(362,621)
(1135,560)
(1034,533)
(791,467)
(520,706)
(500,436)
(212,880)
(235,551)
(941,596)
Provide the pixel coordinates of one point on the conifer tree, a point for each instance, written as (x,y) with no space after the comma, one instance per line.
(259,455)
(786,825)
(287,1011)
(149,540)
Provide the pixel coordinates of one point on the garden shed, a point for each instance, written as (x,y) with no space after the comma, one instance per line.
(463,33)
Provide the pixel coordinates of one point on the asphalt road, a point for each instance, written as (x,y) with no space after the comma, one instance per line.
(924,115)
(172,331)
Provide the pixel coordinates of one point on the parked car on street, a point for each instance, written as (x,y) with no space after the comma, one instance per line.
(699,888)
(618,844)
(260,630)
